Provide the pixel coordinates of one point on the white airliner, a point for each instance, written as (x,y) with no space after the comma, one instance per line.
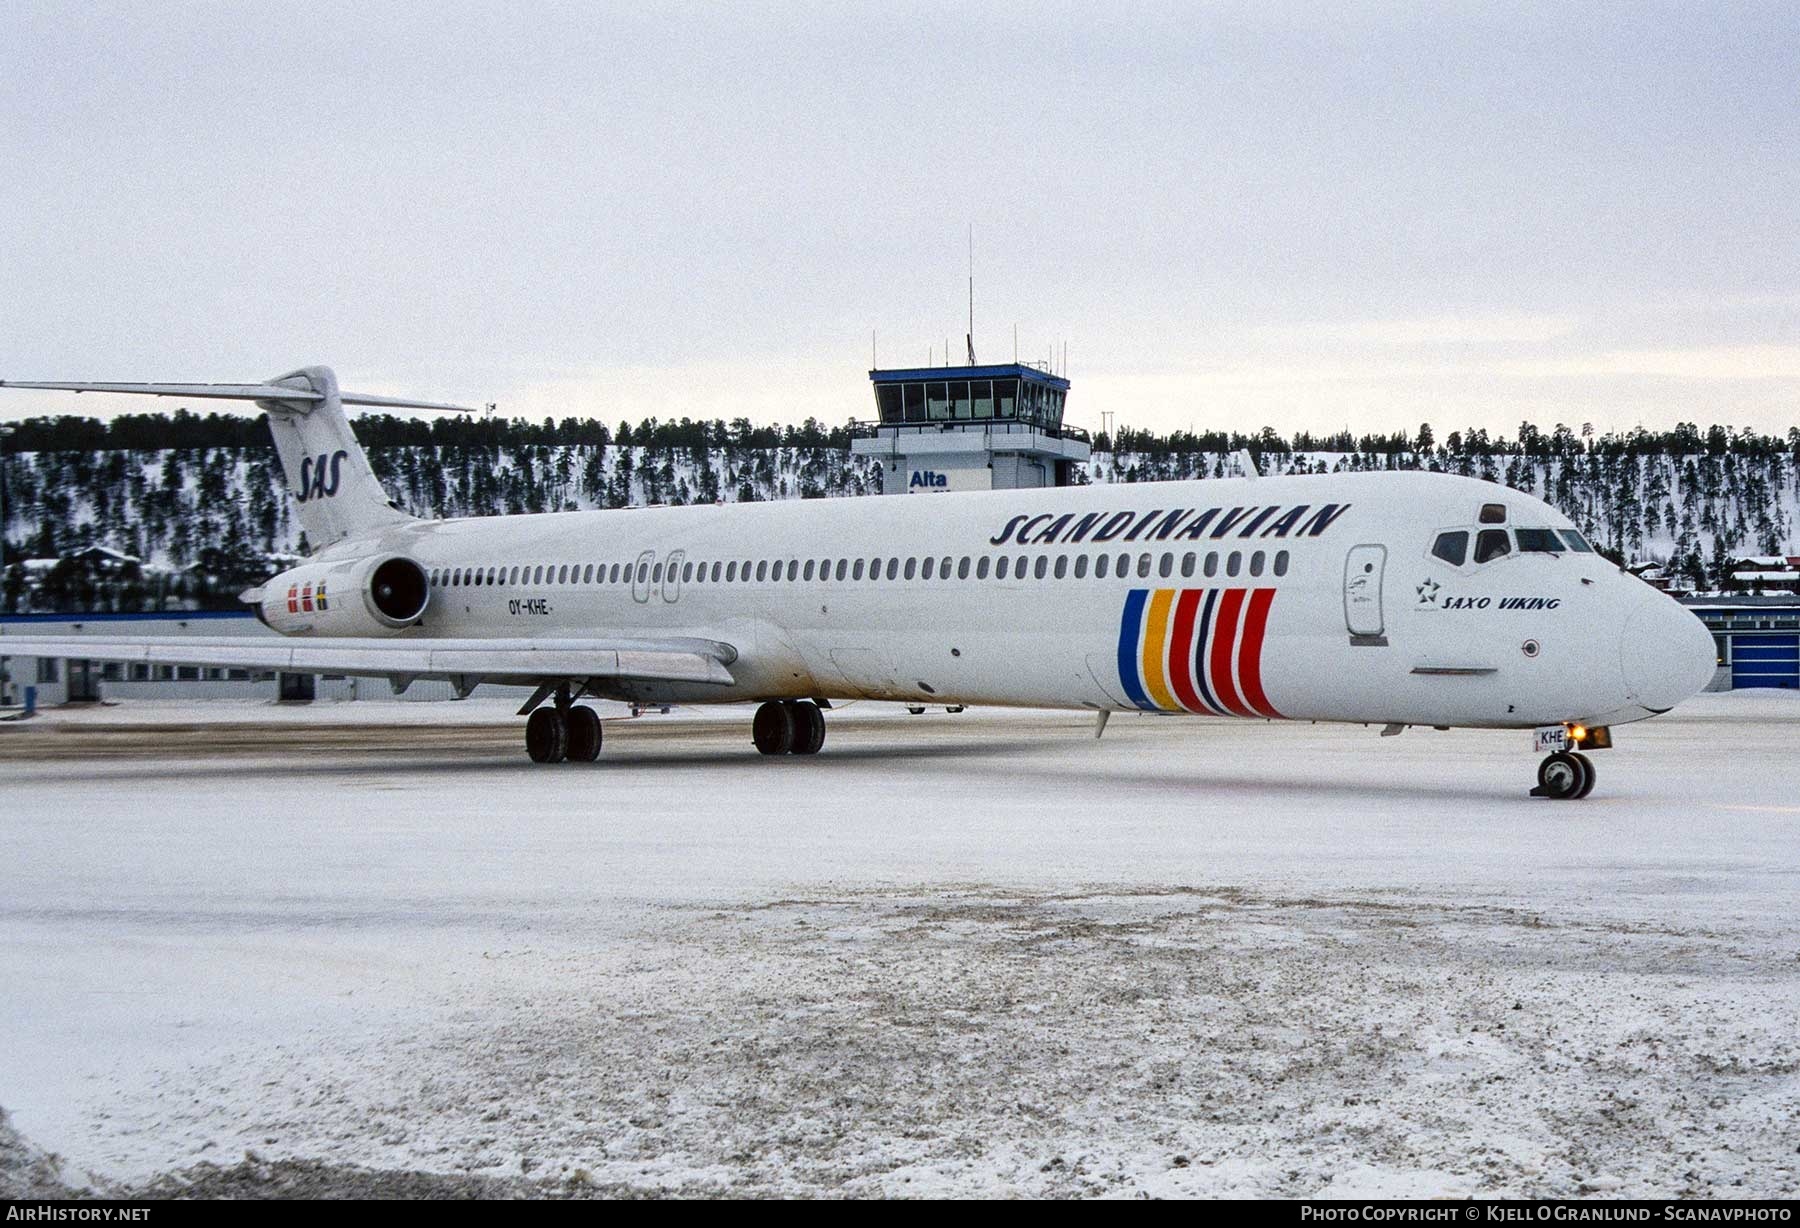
(1395,599)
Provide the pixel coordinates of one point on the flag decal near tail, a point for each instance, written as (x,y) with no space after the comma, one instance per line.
(1196,650)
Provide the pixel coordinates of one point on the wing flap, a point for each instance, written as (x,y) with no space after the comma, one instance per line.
(673,660)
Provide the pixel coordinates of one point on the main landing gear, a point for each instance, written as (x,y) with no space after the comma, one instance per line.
(788,727)
(1565,776)
(555,734)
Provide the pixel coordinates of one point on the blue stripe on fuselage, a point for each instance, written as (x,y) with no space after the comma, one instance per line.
(1131,627)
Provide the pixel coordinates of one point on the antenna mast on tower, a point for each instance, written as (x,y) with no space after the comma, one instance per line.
(970,338)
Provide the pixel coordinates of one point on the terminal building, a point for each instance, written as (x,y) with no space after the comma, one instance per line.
(970,428)
(1758,640)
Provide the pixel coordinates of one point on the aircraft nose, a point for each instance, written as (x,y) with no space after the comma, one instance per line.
(1668,655)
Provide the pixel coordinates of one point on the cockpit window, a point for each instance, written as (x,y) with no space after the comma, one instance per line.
(1540,541)
(1493,513)
(1577,542)
(1490,544)
(1453,548)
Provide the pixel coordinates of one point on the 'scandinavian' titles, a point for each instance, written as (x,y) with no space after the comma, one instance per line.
(1169,525)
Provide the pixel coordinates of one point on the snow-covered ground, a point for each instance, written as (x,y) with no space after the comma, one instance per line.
(974,953)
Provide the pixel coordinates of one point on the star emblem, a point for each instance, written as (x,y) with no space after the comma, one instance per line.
(1428,592)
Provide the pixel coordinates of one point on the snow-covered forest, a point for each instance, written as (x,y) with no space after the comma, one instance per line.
(179,511)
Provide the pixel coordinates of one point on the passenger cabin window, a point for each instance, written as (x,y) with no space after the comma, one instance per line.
(1490,544)
(1453,548)
(1281,562)
(1539,541)
(1493,513)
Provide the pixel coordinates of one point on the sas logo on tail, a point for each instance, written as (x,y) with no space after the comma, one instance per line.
(305,598)
(319,477)
(1196,650)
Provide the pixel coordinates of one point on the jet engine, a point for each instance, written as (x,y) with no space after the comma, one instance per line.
(381,595)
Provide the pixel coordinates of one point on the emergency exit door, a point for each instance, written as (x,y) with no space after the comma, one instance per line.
(1363,615)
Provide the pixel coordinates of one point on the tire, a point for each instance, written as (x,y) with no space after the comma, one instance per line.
(584,735)
(1560,776)
(809,728)
(773,729)
(546,736)
(1588,775)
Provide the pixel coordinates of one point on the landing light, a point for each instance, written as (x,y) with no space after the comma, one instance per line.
(1599,737)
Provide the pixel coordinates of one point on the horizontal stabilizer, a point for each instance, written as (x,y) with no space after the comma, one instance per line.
(238,392)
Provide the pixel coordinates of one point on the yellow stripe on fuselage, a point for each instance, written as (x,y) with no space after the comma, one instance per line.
(1156,635)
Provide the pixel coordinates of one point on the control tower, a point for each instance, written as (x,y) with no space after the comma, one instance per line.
(970,428)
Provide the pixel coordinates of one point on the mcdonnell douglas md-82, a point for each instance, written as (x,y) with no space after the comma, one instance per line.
(1398,599)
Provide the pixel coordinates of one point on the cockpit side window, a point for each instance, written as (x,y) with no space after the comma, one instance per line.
(1452,547)
(1490,544)
(1577,542)
(1540,541)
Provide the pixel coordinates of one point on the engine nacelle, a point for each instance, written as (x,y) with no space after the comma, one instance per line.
(381,595)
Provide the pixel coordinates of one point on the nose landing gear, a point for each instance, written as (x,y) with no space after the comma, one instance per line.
(1565,776)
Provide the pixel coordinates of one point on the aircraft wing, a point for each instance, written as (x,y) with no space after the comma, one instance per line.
(403,659)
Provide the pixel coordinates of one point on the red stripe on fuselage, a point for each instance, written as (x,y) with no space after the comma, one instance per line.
(1224,637)
(1256,621)
(1181,651)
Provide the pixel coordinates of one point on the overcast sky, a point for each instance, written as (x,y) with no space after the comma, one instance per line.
(1309,215)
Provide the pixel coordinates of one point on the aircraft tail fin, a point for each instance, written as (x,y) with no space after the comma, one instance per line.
(334,488)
